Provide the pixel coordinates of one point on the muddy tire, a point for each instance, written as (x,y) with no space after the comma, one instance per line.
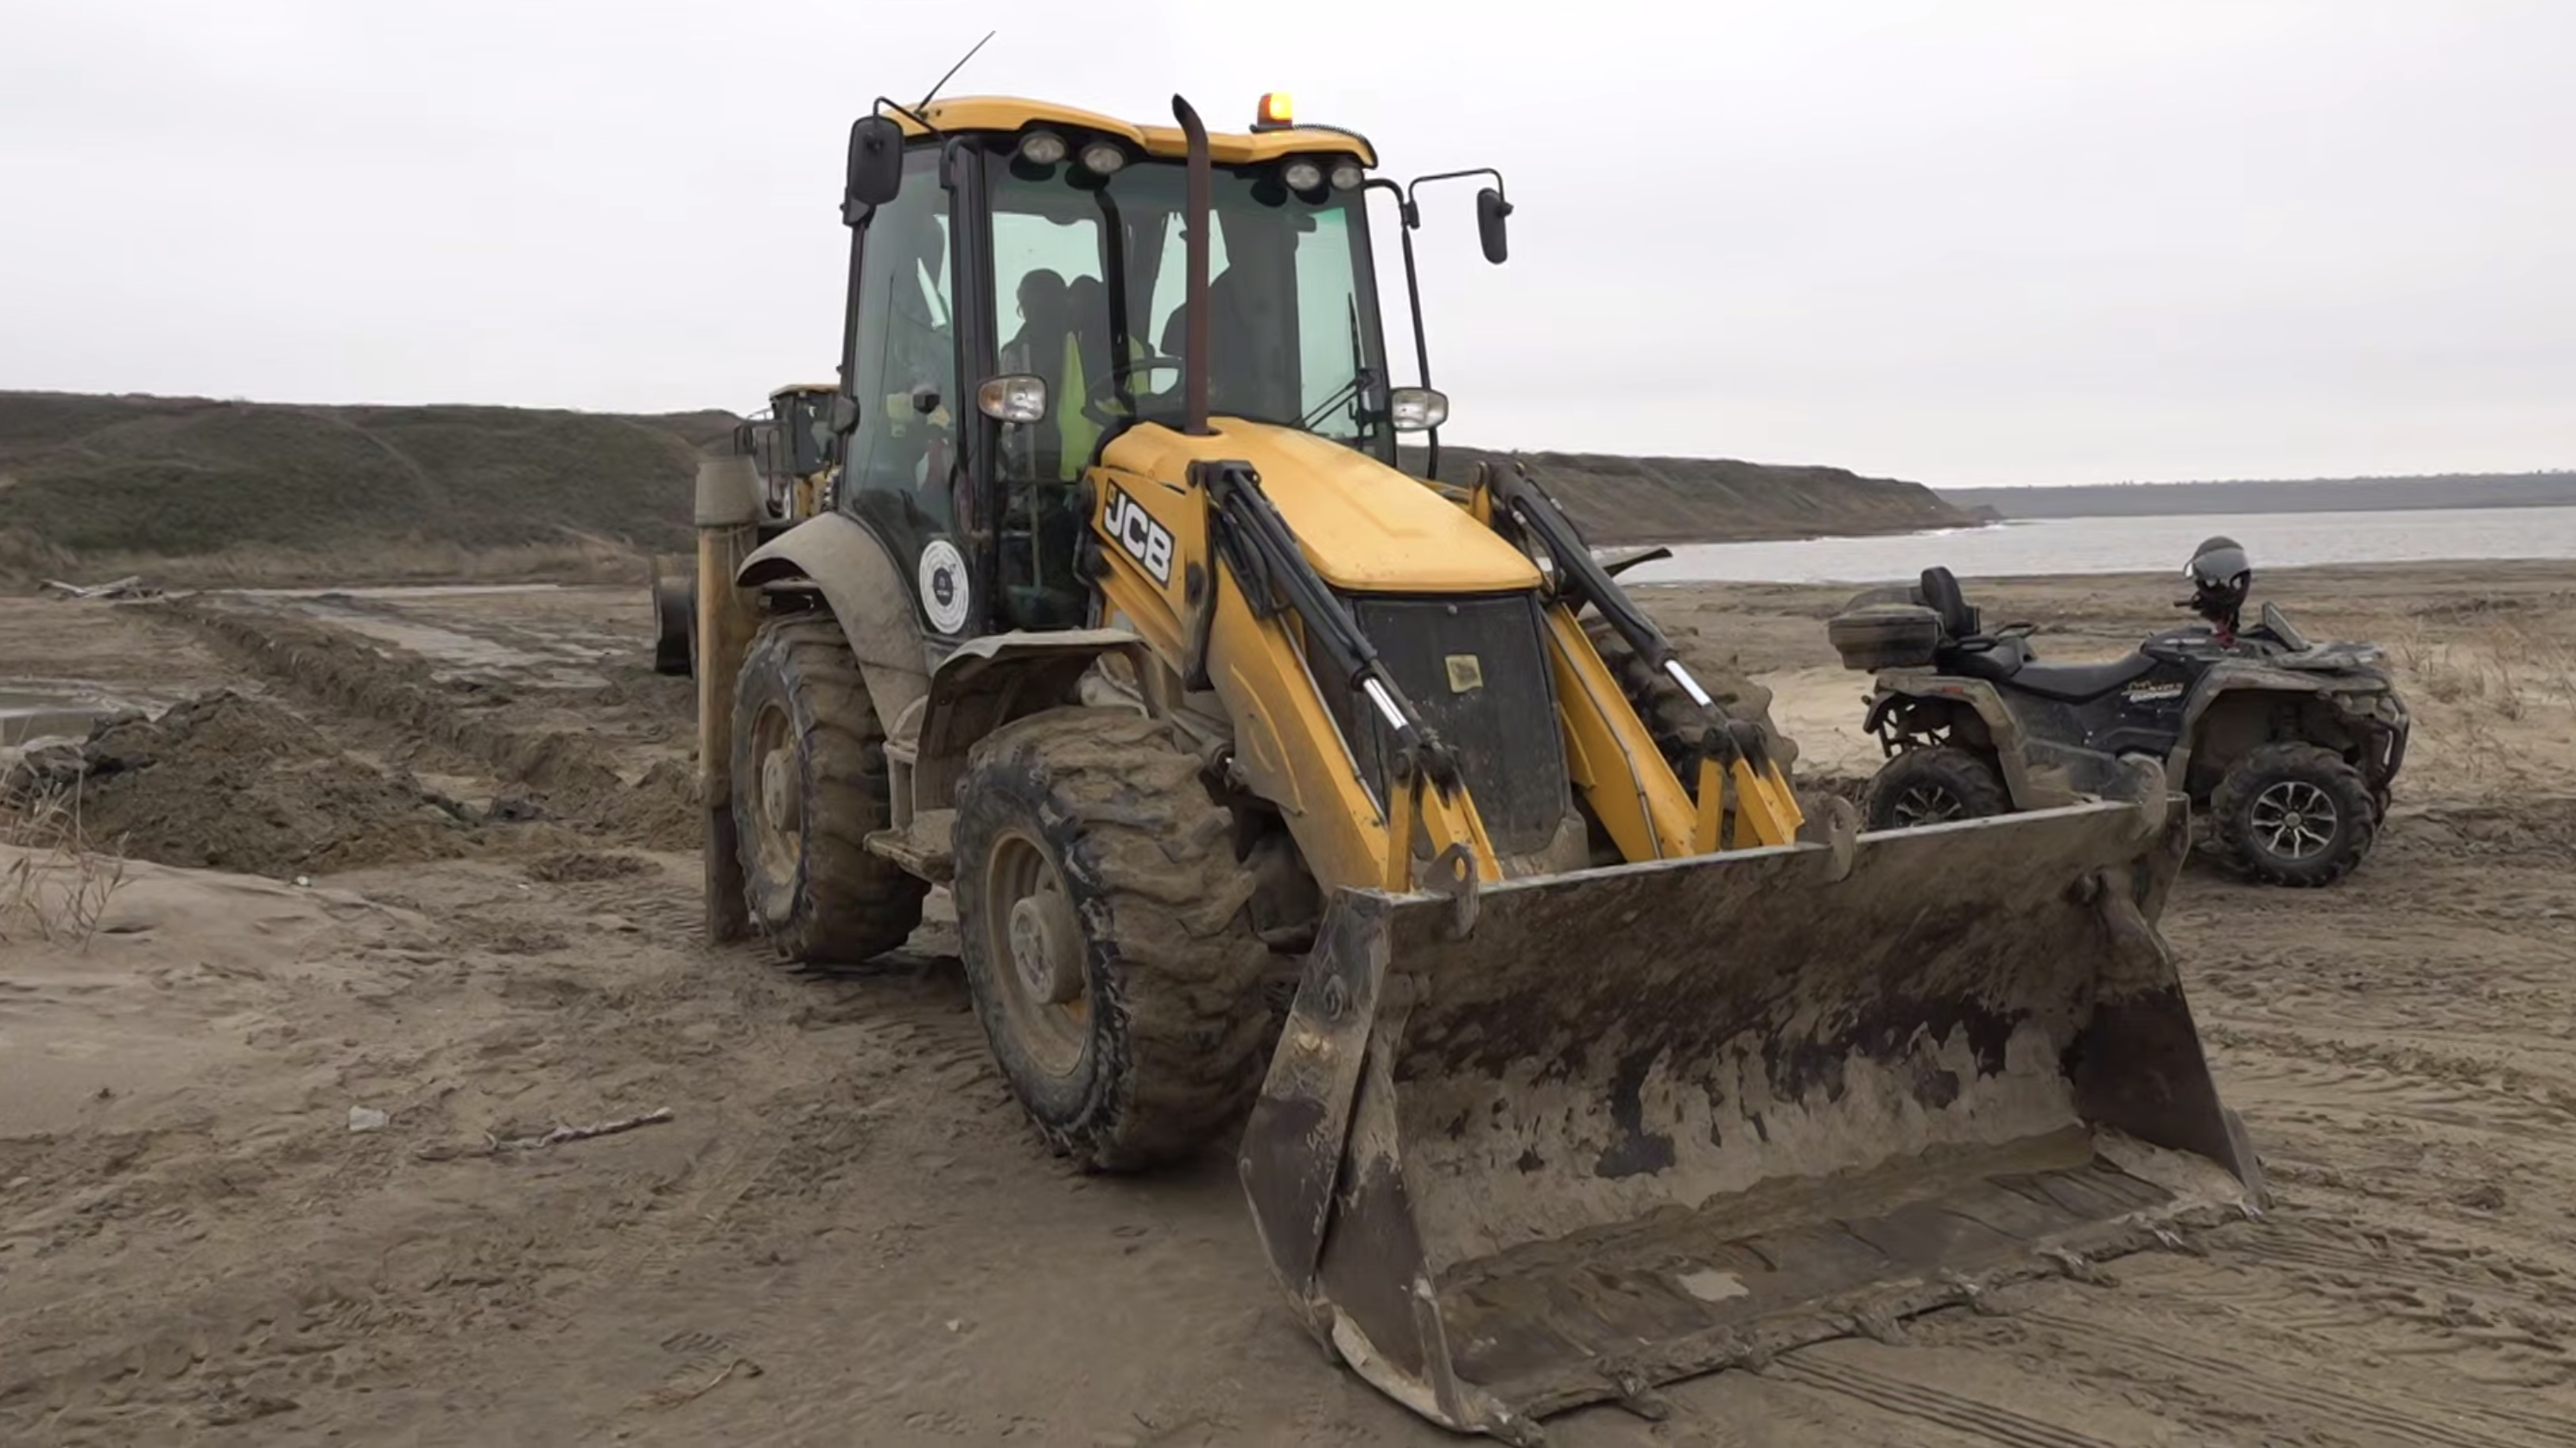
(809,784)
(1103,922)
(1669,713)
(675,621)
(1932,786)
(2294,814)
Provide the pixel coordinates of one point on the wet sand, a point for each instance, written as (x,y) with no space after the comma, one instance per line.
(846,1233)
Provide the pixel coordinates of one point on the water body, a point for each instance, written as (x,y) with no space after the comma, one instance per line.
(2057,546)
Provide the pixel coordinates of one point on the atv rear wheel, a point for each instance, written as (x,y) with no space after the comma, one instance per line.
(809,784)
(2295,814)
(1103,922)
(1932,786)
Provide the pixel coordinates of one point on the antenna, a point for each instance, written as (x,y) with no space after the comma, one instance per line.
(952,70)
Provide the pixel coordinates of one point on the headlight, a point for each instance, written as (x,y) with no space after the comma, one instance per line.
(1013,397)
(1347,176)
(1043,148)
(1102,157)
(1302,175)
(1417,409)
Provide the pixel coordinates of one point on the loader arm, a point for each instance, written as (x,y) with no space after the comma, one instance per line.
(1731,753)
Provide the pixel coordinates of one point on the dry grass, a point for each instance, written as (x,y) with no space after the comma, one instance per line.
(56,883)
(2499,664)
(2482,684)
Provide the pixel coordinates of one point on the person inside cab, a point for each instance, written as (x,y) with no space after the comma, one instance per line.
(921,367)
(1251,312)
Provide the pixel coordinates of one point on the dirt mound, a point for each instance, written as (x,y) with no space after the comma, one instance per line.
(572,778)
(234,783)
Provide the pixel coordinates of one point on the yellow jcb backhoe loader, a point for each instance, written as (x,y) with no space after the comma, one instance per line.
(1601,1063)
(790,448)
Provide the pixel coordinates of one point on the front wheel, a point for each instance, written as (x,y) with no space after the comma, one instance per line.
(1932,786)
(1102,920)
(2295,814)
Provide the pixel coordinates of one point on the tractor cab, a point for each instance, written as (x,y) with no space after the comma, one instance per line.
(790,446)
(1020,295)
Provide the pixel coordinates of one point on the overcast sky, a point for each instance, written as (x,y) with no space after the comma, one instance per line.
(1965,243)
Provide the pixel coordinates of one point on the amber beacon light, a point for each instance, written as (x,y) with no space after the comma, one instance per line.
(1274,113)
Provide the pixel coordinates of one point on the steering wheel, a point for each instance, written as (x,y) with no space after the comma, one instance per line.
(1103,389)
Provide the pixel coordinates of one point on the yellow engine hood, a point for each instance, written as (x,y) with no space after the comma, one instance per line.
(1365,527)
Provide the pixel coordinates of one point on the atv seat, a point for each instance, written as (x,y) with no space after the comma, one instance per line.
(2078,683)
(1979,657)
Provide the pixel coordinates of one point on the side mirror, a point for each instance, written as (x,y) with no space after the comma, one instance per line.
(1417,409)
(845,414)
(1491,208)
(876,162)
(1013,397)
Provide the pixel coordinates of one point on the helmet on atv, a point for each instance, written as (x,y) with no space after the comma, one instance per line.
(2221,575)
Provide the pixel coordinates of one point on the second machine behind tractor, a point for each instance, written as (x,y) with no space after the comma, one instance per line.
(1603,1064)
(790,447)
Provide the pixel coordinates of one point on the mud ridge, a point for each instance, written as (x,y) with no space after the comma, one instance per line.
(578,786)
(228,782)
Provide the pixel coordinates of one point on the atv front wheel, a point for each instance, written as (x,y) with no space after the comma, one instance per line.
(2295,814)
(1102,920)
(1932,786)
(809,784)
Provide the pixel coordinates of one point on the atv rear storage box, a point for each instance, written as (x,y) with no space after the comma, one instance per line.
(1884,636)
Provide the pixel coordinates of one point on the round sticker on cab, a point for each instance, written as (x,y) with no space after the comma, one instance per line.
(943,585)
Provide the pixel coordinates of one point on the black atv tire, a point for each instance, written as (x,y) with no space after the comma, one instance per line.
(812,886)
(675,625)
(1669,713)
(1105,927)
(1931,786)
(2278,787)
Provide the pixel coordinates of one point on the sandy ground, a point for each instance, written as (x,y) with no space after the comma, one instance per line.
(845,1233)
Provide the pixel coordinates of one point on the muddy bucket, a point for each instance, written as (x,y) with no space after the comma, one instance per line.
(1616,1128)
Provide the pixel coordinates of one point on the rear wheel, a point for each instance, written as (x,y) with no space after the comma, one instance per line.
(809,784)
(2295,814)
(1932,786)
(675,619)
(1103,922)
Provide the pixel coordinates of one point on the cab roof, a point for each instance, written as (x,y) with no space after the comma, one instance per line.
(1010,114)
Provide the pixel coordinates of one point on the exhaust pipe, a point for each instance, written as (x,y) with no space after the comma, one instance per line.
(1194,341)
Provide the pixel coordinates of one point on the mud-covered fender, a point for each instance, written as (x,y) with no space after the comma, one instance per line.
(2235,680)
(1987,703)
(865,589)
(987,682)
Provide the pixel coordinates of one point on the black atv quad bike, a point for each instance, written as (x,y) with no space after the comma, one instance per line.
(2287,747)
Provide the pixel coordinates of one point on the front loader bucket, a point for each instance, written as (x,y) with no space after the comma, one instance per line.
(1644,1122)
